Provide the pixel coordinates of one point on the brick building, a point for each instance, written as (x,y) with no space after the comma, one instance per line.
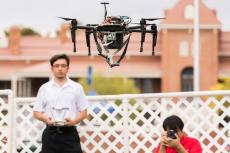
(24,61)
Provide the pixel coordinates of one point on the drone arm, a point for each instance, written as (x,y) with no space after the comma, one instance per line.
(85,27)
(87,36)
(142,39)
(133,28)
(73,39)
(154,37)
(146,31)
(143,29)
(73,34)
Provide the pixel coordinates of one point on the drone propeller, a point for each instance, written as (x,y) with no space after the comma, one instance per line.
(73,21)
(67,19)
(73,28)
(152,19)
(104,3)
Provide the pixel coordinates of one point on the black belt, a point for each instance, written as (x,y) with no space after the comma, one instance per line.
(61,129)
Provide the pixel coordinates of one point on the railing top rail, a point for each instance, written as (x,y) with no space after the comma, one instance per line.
(164,95)
(6,92)
(147,95)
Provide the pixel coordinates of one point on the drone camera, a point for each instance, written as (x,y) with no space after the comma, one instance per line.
(111,37)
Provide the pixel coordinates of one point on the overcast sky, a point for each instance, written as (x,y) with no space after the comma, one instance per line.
(41,14)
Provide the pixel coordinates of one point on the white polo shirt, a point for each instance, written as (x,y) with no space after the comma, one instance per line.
(71,96)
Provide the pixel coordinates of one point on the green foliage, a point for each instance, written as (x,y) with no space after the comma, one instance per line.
(110,85)
(25,32)
(57,32)
(6,33)
(28,32)
(223,84)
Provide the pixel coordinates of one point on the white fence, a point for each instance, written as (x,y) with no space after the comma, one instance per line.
(124,123)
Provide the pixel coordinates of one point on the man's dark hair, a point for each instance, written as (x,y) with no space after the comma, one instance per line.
(173,122)
(57,57)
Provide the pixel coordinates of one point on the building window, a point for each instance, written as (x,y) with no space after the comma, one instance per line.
(148,85)
(35,84)
(187,79)
(184,48)
(5,85)
(189,12)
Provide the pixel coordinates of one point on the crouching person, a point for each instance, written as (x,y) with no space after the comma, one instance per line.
(174,140)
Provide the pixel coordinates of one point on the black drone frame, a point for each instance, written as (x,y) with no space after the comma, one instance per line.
(97,29)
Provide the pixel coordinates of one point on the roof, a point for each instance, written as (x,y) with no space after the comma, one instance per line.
(136,67)
(176,14)
(37,47)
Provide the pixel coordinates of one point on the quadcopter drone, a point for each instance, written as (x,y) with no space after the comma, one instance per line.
(113,34)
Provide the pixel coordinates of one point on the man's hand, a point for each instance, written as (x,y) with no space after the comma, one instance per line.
(70,122)
(49,121)
(40,116)
(169,142)
(163,142)
(174,143)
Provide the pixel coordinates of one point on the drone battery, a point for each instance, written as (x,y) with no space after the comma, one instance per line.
(117,43)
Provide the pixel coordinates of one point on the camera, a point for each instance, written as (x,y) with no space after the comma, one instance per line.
(171,134)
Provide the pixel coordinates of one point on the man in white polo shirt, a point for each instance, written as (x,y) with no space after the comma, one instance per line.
(61,104)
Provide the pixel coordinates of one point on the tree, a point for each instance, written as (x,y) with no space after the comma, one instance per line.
(29,32)
(109,85)
(223,84)
(25,32)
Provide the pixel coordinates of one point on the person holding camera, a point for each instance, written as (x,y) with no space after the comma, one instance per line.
(174,140)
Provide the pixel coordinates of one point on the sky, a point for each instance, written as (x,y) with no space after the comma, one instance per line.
(41,15)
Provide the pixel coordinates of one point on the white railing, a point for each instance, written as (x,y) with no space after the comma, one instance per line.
(126,123)
(6,122)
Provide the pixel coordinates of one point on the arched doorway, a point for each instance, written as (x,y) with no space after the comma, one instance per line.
(187,79)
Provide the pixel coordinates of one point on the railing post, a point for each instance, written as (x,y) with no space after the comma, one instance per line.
(126,124)
(11,120)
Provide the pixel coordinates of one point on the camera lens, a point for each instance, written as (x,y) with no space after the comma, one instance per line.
(171,134)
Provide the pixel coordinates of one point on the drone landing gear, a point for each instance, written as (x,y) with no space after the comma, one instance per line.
(106,53)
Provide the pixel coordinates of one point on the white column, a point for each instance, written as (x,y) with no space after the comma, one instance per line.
(196,40)
(28,94)
(24,87)
(14,85)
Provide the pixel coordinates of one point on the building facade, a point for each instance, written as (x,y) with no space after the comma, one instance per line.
(24,60)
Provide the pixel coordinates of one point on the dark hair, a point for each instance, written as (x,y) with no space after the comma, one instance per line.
(57,57)
(173,122)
